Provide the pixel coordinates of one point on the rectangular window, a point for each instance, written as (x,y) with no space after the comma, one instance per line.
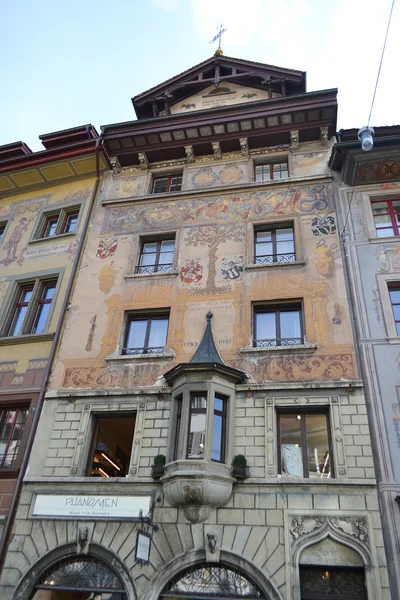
(146,334)
(178,405)
(394,293)
(12,425)
(387,217)
(58,222)
(2,230)
(167,183)
(304,446)
(156,256)
(197,425)
(274,245)
(111,447)
(219,428)
(278,325)
(271,170)
(31,307)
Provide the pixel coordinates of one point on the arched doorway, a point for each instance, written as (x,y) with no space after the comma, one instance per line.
(82,578)
(211,581)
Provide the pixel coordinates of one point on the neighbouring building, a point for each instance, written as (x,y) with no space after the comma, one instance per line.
(368,202)
(204,432)
(44,203)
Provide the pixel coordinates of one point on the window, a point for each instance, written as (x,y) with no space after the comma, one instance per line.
(167,183)
(12,426)
(146,334)
(58,222)
(2,230)
(332,582)
(387,217)
(195,414)
(278,325)
(271,170)
(304,446)
(111,446)
(274,245)
(156,256)
(31,307)
(394,293)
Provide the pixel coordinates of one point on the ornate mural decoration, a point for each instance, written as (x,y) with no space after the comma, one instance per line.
(212,236)
(93,325)
(396,417)
(204,178)
(128,188)
(298,368)
(388,258)
(337,318)
(324,258)
(302,199)
(387,168)
(107,247)
(207,176)
(14,240)
(192,271)
(376,303)
(324,225)
(302,526)
(232,267)
(99,377)
(107,277)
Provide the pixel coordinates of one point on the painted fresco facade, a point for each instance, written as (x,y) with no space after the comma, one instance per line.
(33,265)
(369,183)
(278,529)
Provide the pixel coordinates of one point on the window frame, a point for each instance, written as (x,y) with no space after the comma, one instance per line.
(391,212)
(142,269)
(61,216)
(169,177)
(21,402)
(37,285)
(3,229)
(273,228)
(96,417)
(271,164)
(160,314)
(278,308)
(394,287)
(312,410)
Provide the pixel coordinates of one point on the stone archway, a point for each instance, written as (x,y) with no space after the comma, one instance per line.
(65,574)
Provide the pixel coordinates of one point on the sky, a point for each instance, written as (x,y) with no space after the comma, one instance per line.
(73,62)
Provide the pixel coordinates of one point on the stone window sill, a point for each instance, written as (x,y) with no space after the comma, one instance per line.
(298,349)
(124,358)
(276,265)
(53,237)
(26,339)
(132,276)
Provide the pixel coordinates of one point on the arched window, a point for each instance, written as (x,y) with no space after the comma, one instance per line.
(209,580)
(89,578)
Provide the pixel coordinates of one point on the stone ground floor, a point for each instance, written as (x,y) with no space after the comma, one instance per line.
(284,541)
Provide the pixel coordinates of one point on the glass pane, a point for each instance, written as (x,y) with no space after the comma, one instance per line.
(319,464)
(198,402)
(49,292)
(382,220)
(11,429)
(137,334)
(167,245)
(149,247)
(266,326)
(394,296)
(26,296)
(263,236)
(217,438)
(160,185)
(176,184)
(290,324)
(158,333)
(70,225)
(20,313)
(398,328)
(218,404)
(284,241)
(41,318)
(197,427)
(290,440)
(396,311)
(385,232)
(396,206)
(379,207)
(50,227)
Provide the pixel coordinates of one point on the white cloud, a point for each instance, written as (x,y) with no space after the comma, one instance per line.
(167,5)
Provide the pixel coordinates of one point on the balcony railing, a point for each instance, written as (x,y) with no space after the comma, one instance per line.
(147,269)
(279,342)
(133,351)
(275,258)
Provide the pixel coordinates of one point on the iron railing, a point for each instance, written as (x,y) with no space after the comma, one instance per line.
(267,259)
(147,269)
(278,342)
(133,351)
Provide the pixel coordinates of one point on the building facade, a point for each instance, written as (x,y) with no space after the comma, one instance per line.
(204,432)
(368,187)
(44,203)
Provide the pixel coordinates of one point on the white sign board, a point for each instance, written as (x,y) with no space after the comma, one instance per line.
(82,505)
(143,547)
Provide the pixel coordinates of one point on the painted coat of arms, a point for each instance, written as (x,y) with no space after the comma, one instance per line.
(192,272)
(107,247)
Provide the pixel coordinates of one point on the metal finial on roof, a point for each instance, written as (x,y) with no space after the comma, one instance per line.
(207,351)
(218,51)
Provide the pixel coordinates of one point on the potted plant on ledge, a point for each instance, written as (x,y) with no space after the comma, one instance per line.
(157,470)
(240,469)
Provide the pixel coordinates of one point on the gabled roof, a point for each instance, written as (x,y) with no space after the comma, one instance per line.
(215,70)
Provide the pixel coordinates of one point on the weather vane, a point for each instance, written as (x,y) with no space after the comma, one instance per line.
(218,37)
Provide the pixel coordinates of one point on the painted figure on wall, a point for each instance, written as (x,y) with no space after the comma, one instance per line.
(15,238)
(232,267)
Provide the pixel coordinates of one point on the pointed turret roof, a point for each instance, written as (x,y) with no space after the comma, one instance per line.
(207,351)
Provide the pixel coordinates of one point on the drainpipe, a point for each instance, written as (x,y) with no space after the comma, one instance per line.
(57,336)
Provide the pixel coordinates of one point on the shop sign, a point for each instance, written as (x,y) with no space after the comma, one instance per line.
(86,505)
